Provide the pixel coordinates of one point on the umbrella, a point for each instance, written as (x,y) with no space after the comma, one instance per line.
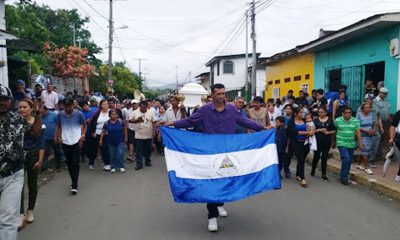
(393,152)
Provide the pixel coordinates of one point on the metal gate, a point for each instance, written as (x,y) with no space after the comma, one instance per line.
(349,76)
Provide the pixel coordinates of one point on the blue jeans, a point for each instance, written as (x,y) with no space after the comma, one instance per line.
(10,201)
(49,145)
(346,154)
(116,154)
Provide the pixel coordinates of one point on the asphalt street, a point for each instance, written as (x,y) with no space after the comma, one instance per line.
(139,205)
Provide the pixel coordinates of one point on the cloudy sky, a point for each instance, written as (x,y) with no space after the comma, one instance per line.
(183,35)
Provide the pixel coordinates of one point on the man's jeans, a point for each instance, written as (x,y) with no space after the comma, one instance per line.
(143,149)
(72,154)
(49,145)
(116,154)
(346,155)
(10,201)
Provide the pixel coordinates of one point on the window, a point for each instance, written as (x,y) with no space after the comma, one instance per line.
(287,80)
(217,68)
(307,76)
(277,81)
(270,82)
(297,78)
(275,93)
(228,67)
(304,87)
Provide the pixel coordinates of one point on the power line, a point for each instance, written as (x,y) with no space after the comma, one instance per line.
(88,15)
(94,9)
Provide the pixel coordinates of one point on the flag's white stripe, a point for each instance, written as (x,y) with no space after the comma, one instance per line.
(195,166)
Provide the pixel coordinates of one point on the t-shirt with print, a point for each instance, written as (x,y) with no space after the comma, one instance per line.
(144,130)
(71,126)
(346,132)
(12,131)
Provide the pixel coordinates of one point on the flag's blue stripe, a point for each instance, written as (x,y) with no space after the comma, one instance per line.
(224,189)
(204,144)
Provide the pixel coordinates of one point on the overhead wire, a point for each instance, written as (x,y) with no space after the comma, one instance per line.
(89,16)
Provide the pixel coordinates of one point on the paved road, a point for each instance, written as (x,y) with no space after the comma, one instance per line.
(138,205)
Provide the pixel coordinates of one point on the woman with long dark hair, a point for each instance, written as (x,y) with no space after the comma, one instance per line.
(298,134)
(325,128)
(34,149)
(96,128)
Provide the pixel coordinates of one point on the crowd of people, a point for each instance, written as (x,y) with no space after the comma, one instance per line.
(39,123)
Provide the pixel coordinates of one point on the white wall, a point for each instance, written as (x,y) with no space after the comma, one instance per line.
(3,50)
(237,79)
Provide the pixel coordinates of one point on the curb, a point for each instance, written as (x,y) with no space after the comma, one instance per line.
(373,184)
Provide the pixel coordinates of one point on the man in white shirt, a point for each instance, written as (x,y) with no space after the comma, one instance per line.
(144,133)
(175,112)
(131,129)
(50,98)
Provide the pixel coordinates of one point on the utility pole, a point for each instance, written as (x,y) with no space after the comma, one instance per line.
(3,50)
(254,55)
(110,40)
(140,65)
(74,35)
(246,86)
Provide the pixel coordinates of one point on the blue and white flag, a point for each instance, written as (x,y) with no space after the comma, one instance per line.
(214,168)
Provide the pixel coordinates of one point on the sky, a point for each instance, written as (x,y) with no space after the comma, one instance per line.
(177,37)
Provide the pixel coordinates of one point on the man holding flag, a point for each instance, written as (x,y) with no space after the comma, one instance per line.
(216,117)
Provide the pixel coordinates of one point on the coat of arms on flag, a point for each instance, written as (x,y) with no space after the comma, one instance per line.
(207,168)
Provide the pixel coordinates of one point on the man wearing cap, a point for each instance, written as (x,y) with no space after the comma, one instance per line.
(383,109)
(94,103)
(376,139)
(50,98)
(21,91)
(134,104)
(12,130)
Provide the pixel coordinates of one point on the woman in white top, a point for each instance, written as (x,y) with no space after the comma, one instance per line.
(272,114)
(96,127)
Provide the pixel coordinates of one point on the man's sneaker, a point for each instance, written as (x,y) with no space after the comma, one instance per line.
(148,164)
(91,167)
(303,183)
(30,217)
(73,191)
(287,175)
(222,212)
(212,225)
(397,178)
(107,168)
(325,179)
(122,170)
(138,167)
(361,168)
(113,170)
(368,171)
(298,178)
(344,181)
(22,221)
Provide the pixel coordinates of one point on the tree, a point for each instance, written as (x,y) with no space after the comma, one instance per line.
(70,62)
(125,81)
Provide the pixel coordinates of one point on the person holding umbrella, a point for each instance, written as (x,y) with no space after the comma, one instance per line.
(394,141)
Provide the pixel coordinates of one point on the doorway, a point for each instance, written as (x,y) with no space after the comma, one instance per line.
(376,73)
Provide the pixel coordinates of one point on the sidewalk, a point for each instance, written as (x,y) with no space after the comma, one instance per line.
(387,186)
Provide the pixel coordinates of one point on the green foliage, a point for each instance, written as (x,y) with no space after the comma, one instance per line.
(125,81)
(39,24)
(151,94)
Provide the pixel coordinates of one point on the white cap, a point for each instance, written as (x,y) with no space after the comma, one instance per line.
(384,90)
(134,101)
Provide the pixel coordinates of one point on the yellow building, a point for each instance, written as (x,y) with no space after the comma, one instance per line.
(289,71)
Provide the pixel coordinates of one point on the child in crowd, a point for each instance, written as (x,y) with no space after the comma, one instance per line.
(117,136)
(311,126)
(281,141)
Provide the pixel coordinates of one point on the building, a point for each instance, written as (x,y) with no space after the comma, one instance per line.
(231,71)
(286,71)
(368,49)
(204,80)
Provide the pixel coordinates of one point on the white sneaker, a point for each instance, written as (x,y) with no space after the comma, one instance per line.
(91,167)
(397,178)
(113,170)
(222,212)
(368,171)
(107,168)
(73,191)
(359,167)
(122,170)
(30,217)
(22,221)
(212,225)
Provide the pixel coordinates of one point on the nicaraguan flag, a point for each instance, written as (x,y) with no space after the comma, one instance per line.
(214,168)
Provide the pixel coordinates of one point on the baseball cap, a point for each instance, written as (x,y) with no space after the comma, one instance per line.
(369,96)
(383,90)
(93,99)
(5,92)
(20,81)
(134,101)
